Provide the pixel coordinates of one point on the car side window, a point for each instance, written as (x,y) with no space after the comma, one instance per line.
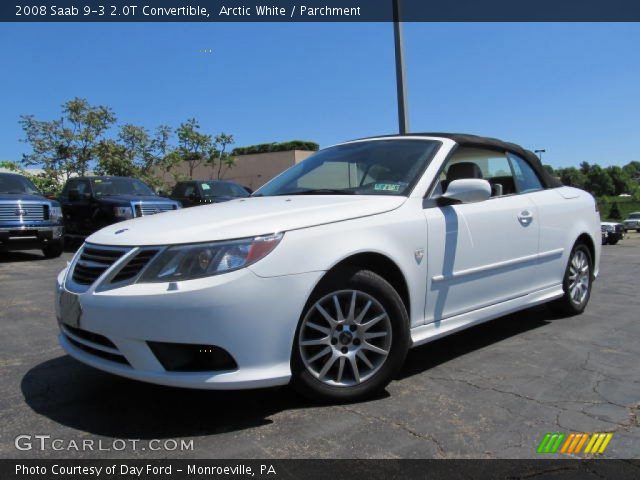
(489,165)
(83,187)
(190,190)
(526,178)
(70,185)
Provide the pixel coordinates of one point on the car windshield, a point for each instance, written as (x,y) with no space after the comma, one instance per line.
(103,187)
(17,184)
(222,189)
(635,216)
(372,167)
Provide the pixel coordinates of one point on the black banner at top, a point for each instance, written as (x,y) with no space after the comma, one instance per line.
(319,10)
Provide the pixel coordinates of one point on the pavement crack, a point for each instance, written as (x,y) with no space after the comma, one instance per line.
(402,426)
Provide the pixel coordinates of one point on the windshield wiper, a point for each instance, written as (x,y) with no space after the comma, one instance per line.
(15,192)
(319,191)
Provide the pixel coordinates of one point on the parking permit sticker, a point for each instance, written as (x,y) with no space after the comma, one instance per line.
(205,186)
(387,187)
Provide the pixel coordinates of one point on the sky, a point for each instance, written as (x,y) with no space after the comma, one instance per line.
(571,89)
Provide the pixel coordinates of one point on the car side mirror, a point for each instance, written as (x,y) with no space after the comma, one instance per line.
(466,190)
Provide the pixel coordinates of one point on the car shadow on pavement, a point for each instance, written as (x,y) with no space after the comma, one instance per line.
(432,354)
(89,400)
(21,256)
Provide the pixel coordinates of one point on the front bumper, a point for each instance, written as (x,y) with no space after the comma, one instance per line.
(253,318)
(29,236)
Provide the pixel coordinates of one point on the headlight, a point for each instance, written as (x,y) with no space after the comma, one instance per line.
(186,262)
(123,212)
(55,214)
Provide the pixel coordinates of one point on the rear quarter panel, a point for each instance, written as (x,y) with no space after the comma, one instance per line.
(565,213)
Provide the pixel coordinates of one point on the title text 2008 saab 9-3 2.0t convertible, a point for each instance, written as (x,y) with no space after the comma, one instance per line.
(330,272)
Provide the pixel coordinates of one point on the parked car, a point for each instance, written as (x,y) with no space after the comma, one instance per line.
(28,220)
(330,272)
(632,222)
(614,232)
(201,192)
(91,203)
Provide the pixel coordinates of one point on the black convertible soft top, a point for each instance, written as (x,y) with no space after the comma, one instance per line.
(475,141)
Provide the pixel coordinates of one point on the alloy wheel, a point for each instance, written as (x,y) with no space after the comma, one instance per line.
(345,338)
(579,277)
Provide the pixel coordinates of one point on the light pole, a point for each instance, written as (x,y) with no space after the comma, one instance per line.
(539,153)
(403,114)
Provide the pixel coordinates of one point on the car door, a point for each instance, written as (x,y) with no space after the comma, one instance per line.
(85,208)
(484,253)
(551,220)
(71,207)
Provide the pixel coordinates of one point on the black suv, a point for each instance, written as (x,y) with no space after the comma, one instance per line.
(201,192)
(91,203)
(28,220)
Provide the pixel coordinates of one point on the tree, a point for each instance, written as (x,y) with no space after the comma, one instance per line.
(114,160)
(193,146)
(572,177)
(620,178)
(69,143)
(598,182)
(220,156)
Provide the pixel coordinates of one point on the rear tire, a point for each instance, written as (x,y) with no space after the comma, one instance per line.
(54,249)
(613,241)
(361,324)
(577,282)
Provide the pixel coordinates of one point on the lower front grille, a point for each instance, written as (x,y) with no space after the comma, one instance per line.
(112,357)
(91,337)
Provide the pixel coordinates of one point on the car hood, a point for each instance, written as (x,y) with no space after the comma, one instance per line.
(240,218)
(134,198)
(24,197)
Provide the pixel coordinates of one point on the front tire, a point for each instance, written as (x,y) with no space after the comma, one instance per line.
(53,250)
(577,283)
(352,338)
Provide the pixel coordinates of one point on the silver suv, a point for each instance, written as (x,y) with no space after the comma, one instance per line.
(632,222)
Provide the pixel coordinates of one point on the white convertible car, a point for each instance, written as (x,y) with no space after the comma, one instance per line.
(330,272)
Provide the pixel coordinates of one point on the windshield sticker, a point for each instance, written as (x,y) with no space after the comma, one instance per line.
(97,180)
(205,186)
(387,187)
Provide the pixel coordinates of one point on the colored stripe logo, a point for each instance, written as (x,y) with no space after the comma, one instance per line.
(573,443)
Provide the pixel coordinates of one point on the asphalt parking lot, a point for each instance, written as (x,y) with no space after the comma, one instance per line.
(490,392)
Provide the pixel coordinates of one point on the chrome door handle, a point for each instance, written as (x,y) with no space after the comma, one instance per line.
(525,217)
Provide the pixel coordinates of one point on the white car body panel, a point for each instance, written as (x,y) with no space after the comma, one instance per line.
(462,264)
(244,217)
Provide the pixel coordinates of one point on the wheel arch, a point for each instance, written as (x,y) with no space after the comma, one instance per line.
(380,264)
(588,241)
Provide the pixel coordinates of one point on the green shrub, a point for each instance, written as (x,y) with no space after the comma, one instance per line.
(614,212)
(277,147)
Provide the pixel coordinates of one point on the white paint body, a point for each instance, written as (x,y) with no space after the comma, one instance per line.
(481,261)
